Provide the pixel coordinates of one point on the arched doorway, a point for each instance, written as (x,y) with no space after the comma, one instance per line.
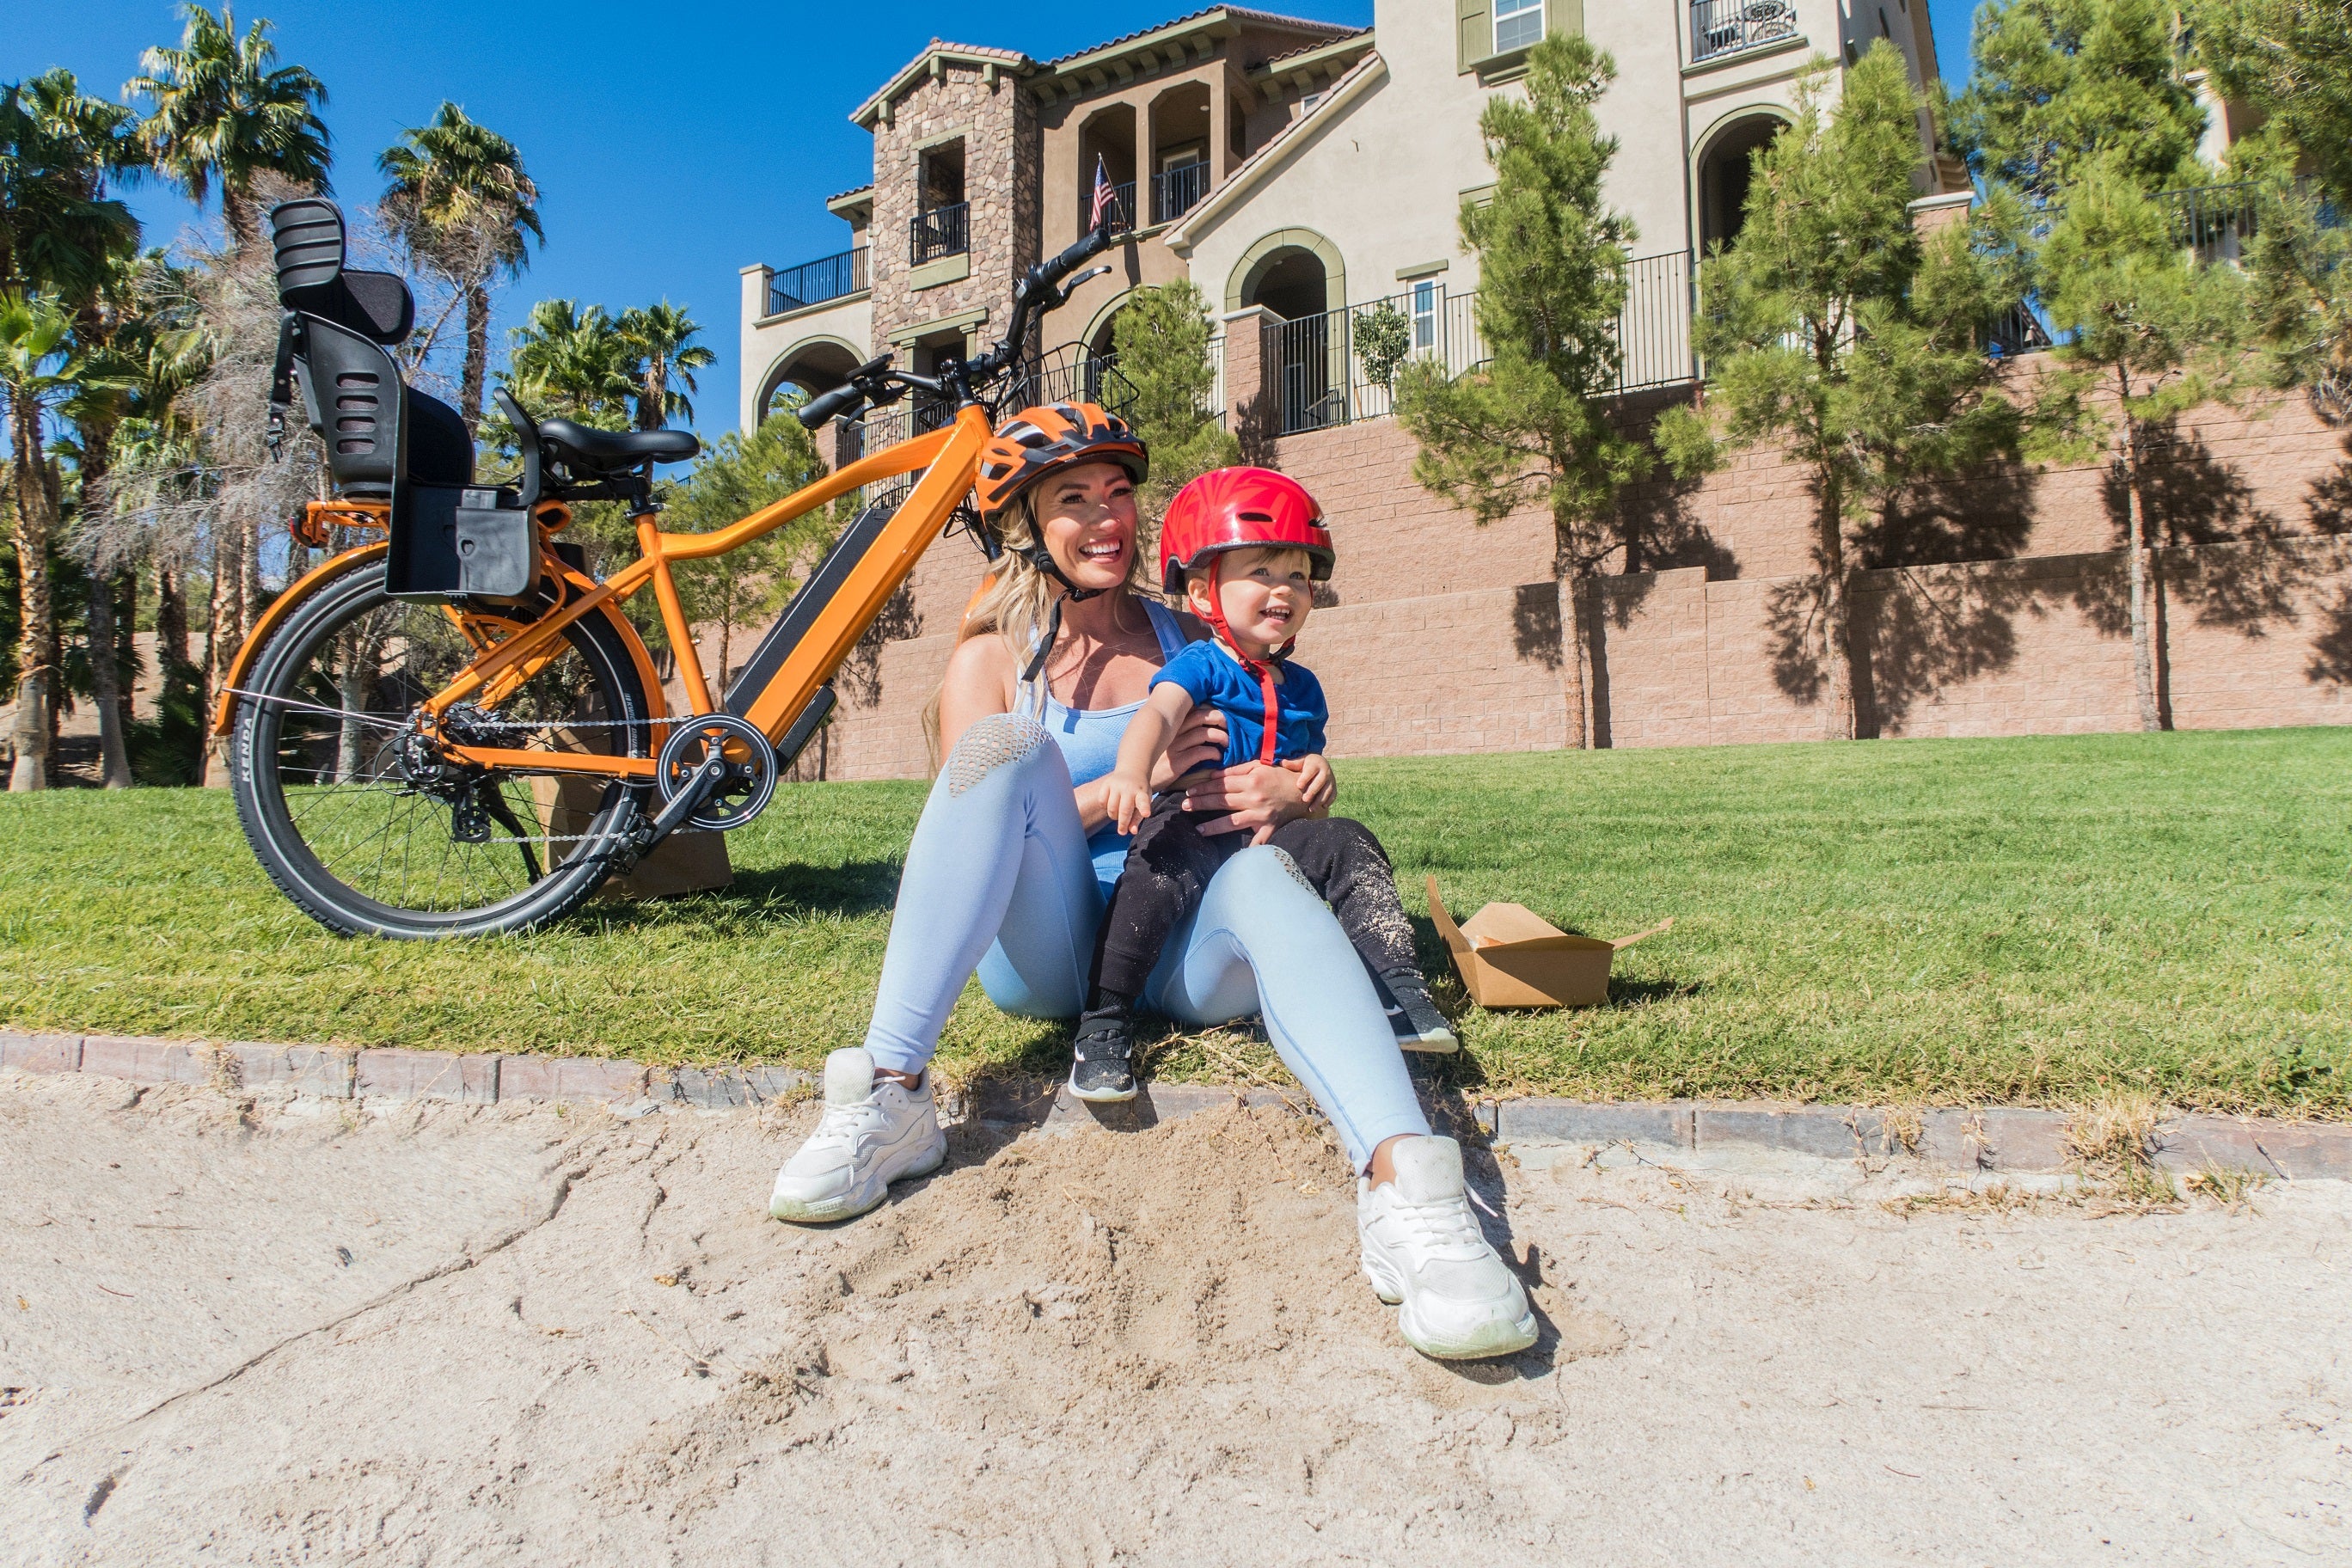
(1295,276)
(810,366)
(1725,168)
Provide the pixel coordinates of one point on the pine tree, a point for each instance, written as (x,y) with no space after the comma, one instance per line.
(2143,323)
(1535,426)
(2058,83)
(1831,330)
(1165,385)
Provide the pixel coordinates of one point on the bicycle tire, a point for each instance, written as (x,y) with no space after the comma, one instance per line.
(259,778)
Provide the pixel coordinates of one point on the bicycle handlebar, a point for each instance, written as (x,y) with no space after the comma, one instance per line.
(1042,286)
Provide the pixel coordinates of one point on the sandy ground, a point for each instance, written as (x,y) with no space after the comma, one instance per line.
(273,1332)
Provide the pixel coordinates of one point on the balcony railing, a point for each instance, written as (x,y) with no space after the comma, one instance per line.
(1178,192)
(815,282)
(942,231)
(1327,369)
(1720,28)
(1121,213)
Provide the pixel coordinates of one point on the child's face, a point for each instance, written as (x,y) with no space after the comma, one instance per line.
(1264,593)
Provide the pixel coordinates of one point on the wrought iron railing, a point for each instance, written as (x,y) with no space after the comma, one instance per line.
(1720,28)
(1119,215)
(1341,365)
(940,231)
(815,282)
(1178,192)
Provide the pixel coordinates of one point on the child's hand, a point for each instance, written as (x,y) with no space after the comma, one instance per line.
(1317,786)
(1128,800)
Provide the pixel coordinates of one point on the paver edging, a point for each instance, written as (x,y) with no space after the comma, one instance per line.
(1990,1138)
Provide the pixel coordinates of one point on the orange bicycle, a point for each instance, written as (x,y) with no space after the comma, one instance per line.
(450,729)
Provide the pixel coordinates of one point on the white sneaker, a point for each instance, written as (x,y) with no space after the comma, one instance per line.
(1423,1248)
(871,1135)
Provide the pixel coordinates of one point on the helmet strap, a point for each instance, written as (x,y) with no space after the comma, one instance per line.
(1263,671)
(1040,557)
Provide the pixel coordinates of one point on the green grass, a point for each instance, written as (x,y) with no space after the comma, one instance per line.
(2025,921)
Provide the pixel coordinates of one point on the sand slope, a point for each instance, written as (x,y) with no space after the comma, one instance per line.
(263,1331)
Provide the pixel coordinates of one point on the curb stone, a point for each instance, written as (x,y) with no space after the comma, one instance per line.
(1991,1138)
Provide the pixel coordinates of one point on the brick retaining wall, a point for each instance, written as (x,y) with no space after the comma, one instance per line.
(1996,609)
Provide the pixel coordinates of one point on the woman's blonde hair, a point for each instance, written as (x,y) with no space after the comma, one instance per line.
(1016,602)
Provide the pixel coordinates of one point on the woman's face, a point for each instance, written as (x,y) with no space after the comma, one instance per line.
(1085,515)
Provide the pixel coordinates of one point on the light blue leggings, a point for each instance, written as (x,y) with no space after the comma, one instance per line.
(998,877)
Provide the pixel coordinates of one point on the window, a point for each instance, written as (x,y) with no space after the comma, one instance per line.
(1424,314)
(1518,23)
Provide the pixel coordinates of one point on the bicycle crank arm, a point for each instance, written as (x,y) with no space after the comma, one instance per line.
(686,801)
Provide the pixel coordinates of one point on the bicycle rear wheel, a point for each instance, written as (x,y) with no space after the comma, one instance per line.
(368,830)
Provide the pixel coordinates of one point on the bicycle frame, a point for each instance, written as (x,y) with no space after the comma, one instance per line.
(950,457)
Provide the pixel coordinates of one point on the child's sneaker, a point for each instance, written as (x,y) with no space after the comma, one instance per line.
(1104,1071)
(1413,1015)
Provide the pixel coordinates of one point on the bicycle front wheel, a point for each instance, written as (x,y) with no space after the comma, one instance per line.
(371,833)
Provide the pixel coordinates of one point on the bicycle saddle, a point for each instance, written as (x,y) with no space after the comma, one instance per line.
(585,449)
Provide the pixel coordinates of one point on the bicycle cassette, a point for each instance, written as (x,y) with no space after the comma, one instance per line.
(742,792)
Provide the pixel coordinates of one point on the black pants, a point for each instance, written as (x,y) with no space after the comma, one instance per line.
(1171,861)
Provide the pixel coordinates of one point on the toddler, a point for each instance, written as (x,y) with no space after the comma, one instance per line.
(1245,547)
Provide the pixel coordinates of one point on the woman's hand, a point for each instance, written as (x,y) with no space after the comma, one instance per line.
(1200,742)
(1253,796)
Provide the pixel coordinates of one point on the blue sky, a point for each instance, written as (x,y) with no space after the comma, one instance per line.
(672,144)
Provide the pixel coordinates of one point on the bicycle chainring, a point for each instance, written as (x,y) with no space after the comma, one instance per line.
(750,781)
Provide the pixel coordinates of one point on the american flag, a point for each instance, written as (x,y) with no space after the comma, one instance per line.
(1105,195)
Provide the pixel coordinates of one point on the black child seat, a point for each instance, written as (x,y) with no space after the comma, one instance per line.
(385,440)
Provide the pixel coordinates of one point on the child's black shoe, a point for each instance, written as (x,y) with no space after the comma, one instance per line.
(1105,1068)
(1414,1014)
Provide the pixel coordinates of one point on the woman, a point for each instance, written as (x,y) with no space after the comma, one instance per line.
(1012,860)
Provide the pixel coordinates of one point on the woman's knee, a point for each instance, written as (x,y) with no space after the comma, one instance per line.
(1264,872)
(992,745)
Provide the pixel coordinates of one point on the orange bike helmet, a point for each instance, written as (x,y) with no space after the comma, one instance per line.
(1037,441)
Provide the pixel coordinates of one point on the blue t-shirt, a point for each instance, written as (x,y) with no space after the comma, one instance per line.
(1210,675)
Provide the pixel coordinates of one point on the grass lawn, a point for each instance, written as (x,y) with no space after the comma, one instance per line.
(2024,920)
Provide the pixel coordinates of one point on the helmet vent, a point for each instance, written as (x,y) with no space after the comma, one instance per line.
(1255,517)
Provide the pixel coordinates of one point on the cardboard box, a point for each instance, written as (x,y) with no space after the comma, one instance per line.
(682,863)
(1510,956)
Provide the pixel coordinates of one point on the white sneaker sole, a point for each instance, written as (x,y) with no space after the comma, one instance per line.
(1101,1096)
(920,1161)
(1498,1336)
(1441,1041)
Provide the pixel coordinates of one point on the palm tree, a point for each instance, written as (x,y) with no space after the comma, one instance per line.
(663,335)
(223,116)
(60,230)
(460,201)
(575,362)
(34,338)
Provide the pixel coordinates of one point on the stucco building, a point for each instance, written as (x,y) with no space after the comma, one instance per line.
(1299,172)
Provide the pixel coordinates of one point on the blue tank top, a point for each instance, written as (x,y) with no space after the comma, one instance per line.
(1089,741)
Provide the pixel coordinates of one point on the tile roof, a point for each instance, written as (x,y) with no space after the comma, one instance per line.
(1242,13)
(1363,33)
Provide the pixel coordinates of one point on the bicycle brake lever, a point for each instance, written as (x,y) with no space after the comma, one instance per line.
(1062,295)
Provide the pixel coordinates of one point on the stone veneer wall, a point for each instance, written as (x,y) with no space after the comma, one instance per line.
(999,123)
(1998,610)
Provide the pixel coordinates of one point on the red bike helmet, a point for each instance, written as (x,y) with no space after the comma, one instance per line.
(1240,509)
